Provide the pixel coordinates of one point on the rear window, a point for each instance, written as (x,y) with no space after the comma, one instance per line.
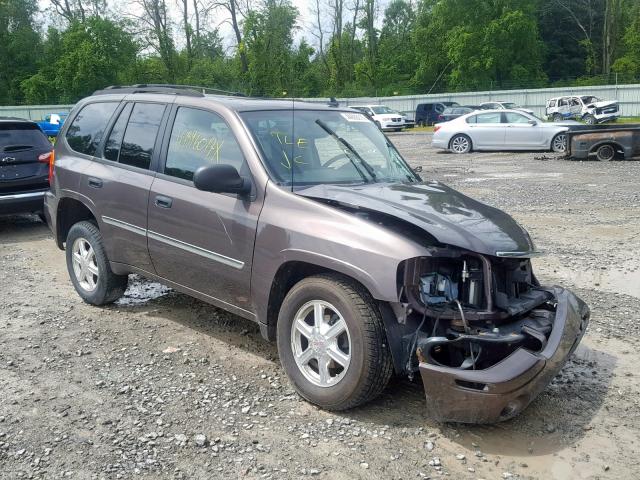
(85,133)
(21,136)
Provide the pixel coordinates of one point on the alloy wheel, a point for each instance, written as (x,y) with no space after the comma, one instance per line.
(560,143)
(321,343)
(85,266)
(460,144)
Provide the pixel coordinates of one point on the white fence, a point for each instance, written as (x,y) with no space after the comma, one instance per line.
(32,112)
(534,99)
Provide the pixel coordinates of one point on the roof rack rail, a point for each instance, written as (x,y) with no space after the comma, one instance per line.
(172,89)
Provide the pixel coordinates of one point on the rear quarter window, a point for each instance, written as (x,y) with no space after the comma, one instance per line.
(86,131)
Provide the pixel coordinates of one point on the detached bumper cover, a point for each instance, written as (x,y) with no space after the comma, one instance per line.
(502,391)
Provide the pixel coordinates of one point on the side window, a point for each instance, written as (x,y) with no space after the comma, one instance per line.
(439,108)
(200,138)
(488,118)
(85,133)
(562,102)
(140,134)
(472,119)
(112,147)
(552,103)
(511,117)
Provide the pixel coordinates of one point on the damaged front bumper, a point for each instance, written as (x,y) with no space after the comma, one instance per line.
(503,390)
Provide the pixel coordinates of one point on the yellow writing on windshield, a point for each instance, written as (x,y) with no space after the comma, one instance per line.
(299,143)
(209,147)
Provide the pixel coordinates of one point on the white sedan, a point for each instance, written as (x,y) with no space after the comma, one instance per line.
(500,130)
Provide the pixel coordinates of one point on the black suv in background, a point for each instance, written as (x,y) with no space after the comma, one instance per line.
(25,154)
(427,113)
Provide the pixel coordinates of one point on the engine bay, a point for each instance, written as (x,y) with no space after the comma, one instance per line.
(472,310)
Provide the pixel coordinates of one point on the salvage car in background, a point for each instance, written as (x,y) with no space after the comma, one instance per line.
(24,166)
(604,142)
(451,113)
(501,105)
(382,116)
(589,109)
(500,130)
(427,113)
(313,226)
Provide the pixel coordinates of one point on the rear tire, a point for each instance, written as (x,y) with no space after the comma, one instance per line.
(605,153)
(460,143)
(89,267)
(333,303)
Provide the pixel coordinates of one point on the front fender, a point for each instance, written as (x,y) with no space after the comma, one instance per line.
(293,228)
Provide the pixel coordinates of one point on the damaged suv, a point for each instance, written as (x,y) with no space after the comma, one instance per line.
(305,219)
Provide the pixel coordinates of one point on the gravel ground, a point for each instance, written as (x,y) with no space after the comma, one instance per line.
(164,386)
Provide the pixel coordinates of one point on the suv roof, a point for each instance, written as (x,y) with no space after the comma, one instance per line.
(232,100)
(15,120)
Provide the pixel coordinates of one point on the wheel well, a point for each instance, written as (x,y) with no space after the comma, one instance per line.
(70,212)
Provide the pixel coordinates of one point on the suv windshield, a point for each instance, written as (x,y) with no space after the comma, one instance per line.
(307,147)
(509,105)
(380,109)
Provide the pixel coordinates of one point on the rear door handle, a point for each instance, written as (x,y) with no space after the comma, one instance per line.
(95,182)
(163,202)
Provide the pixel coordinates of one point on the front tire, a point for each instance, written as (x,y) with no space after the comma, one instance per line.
(332,342)
(559,143)
(460,144)
(589,119)
(89,267)
(557,117)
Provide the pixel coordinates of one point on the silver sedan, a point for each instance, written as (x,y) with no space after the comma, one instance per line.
(500,130)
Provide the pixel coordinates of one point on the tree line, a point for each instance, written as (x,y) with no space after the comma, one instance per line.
(344,47)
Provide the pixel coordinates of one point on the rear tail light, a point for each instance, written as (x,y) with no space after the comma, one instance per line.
(48,158)
(436,128)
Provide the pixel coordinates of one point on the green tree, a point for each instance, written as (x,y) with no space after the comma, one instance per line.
(268,37)
(397,59)
(20,47)
(629,62)
(479,43)
(87,56)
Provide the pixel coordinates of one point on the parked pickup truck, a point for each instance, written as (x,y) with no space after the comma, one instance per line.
(604,142)
(52,123)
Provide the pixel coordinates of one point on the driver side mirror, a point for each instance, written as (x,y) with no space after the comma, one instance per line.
(533,123)
(220,178)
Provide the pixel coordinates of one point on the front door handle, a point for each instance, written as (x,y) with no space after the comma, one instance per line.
(95,182)
(163,202)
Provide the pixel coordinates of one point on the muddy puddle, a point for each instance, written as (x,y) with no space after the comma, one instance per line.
(141,291)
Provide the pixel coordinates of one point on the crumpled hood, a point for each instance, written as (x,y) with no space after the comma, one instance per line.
(605,103)
(449,216)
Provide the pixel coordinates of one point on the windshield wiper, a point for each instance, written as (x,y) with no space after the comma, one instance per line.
(348,146)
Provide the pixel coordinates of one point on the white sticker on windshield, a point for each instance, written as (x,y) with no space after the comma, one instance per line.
(354,117)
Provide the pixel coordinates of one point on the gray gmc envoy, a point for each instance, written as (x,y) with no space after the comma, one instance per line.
(305,219)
